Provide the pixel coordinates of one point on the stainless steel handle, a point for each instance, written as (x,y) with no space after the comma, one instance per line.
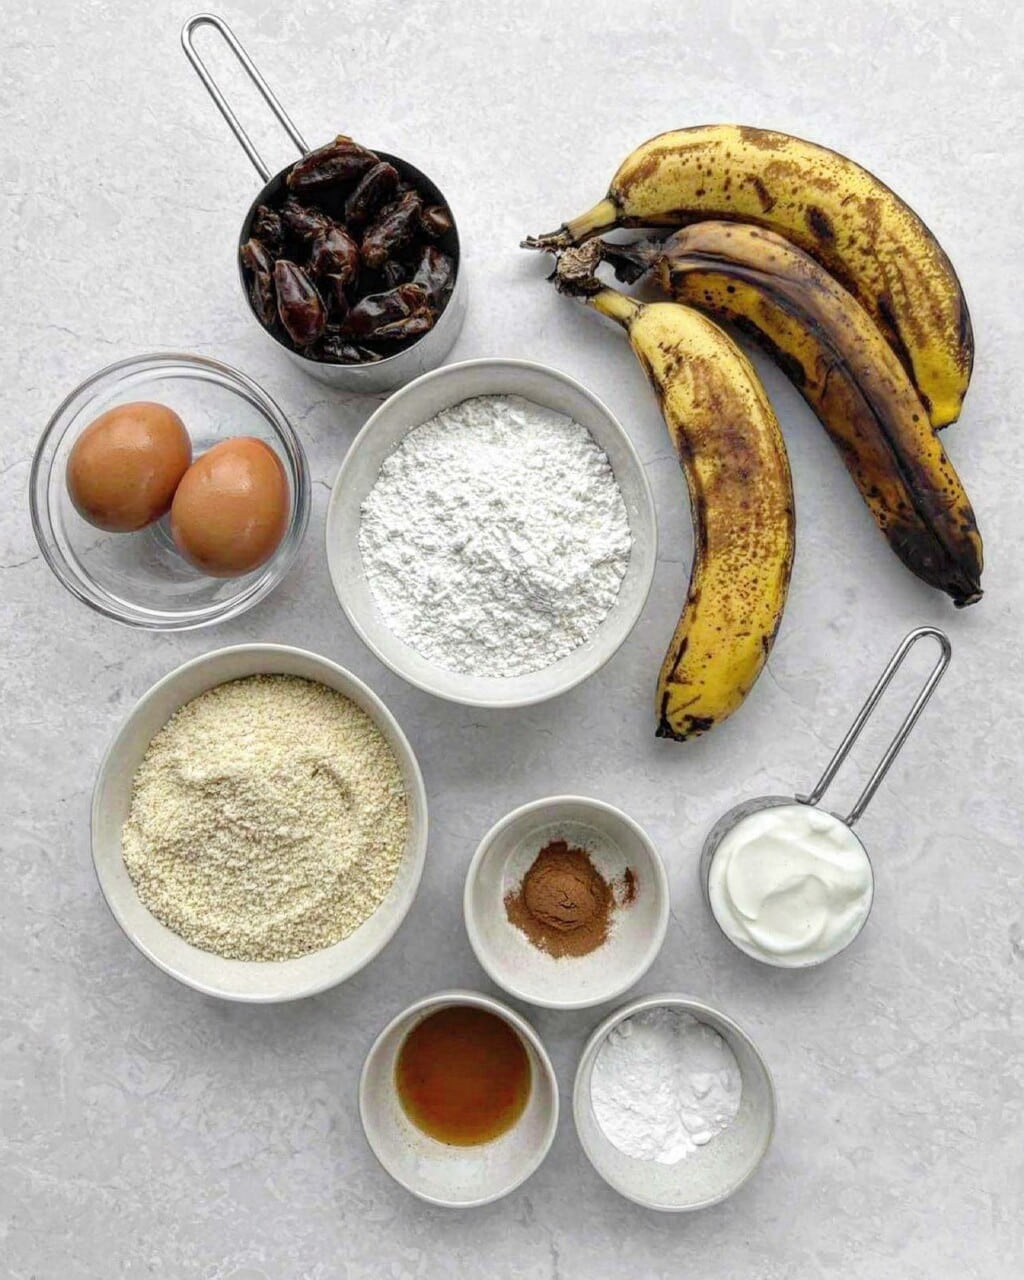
(891,752)
(212,88)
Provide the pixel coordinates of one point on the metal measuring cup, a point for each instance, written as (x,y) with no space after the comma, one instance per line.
(747,807)
(423,353)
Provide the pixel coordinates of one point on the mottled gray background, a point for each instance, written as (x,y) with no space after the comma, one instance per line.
(148,1131)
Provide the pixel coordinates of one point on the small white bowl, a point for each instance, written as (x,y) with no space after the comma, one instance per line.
(713,1172)
(456,1177)
(418,403)
(507,955)
(247,980)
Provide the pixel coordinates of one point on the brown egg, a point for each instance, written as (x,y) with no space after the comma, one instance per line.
(231,508)
(125,466)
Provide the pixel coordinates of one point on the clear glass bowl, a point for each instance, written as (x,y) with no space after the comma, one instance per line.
(139,578)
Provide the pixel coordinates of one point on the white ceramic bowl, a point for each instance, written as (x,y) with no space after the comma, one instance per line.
(505,953)
(248,980)
(417,403)
(711,1173)
(457,1177)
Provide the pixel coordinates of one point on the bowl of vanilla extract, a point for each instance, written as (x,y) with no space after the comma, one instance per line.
(458,1099)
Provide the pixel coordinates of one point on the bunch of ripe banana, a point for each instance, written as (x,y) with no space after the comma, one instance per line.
(824,267)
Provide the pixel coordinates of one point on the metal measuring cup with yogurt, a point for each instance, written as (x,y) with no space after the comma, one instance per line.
(789,883)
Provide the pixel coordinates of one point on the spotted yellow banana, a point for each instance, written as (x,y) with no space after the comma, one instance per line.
(845,217)
(832,351)
(741,501)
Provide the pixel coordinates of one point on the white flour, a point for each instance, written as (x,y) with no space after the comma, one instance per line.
(495,538)
(663,1085)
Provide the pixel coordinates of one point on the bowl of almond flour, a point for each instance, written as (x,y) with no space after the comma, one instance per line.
(491,533)
(259,824)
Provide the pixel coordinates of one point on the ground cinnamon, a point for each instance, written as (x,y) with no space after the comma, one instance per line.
(564,904)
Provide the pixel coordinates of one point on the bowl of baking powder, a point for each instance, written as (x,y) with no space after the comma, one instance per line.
(491,533)
(673,1103)
(259,824)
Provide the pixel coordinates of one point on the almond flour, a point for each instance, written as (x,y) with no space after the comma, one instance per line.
(268,819)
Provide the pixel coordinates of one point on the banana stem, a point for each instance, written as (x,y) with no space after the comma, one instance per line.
(603,217)
(576,275)
(630,261)
(619,307)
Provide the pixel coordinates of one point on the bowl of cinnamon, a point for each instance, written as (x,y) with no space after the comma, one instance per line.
(566,902)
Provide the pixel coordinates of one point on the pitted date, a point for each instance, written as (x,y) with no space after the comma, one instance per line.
(394,272)
(413,325)
(344,263)
(335,253)
(261,280)
(435,273)
(341,161)
(334,291)
(268,228)
(376,187)
(299,306)
(372,313)
(392,230)
(303,221)
(436,221)
(337,349)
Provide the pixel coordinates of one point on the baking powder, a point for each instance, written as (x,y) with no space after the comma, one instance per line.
(495,538)
(664,1084)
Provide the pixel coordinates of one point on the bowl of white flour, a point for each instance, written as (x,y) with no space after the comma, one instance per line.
(673,1103)
(491,533)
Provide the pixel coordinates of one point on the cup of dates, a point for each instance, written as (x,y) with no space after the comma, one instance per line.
(350,260)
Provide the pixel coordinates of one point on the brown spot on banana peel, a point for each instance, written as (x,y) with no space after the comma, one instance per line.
(789,364)
(693,726)
(918,550)
(763,194)
(887,316)
(821,225)
(763,139)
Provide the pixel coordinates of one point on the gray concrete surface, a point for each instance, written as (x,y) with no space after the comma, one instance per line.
(149,1132)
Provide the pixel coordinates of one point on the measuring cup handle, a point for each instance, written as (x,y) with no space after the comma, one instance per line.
(891,752)
(212,88)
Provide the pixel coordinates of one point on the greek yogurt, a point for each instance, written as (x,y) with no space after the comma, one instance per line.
(790,885)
